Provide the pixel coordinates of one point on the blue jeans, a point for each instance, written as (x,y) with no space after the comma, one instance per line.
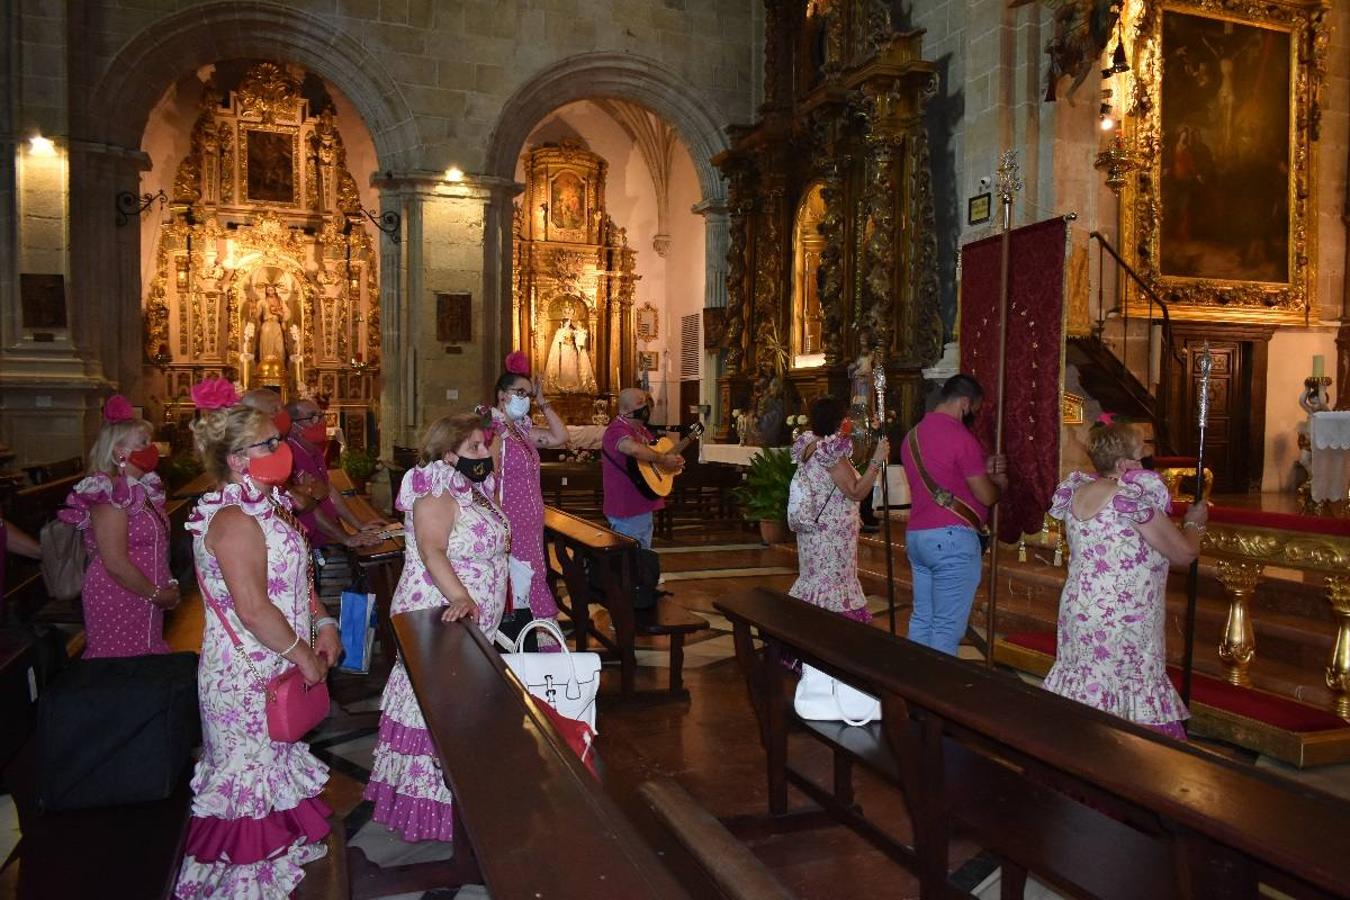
(947,564)
(638,527)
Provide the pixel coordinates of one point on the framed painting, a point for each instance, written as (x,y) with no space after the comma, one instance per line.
(271,166)
(1219,220)
(567,202)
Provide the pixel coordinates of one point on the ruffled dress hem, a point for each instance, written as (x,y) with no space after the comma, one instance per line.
(1126,700)
(247,841)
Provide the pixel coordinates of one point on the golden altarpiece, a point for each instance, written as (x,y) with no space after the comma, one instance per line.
(832,264)
(264,271)
(573,281)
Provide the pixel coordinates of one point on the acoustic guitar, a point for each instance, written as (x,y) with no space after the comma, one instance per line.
(652,481)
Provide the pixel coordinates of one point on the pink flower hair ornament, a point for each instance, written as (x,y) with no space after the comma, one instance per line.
(214,393)
(517,363)
(118,409)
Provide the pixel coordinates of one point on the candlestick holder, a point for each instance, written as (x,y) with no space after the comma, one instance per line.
(1314,398)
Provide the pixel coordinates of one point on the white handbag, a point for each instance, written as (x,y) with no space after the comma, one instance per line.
(566,681)
(824,698)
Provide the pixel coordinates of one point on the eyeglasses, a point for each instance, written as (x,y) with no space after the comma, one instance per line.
(271,444)
(518,392)
(309,419)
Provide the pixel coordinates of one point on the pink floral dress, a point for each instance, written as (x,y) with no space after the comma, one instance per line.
(1110,646)
(119,622)
(256,813)
(828,558)
(522,500)
(406,784)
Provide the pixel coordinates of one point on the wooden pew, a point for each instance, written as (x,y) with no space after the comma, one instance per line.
(35,506)
(529,817)
(1087,802)
(583,550)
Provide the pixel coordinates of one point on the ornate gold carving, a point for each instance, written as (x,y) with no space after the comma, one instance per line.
(1338,672)
(919,341)
(1321,553)
(1141,207)
(1237,647)
(269,92)
(739,207)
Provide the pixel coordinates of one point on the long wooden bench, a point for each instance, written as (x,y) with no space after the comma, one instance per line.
(1089,803)
(530,820)
(583,552)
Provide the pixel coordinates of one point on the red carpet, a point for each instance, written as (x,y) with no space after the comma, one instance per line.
(1270,709)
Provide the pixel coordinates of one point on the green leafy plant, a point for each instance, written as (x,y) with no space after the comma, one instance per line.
(764,493)
(179,469)
(359,464)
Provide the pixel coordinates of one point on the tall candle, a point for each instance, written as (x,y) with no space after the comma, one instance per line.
(1319,366)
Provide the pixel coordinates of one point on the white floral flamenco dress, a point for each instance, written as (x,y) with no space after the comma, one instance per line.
(256,813)
(828,557)
(406,784)
(1110,648)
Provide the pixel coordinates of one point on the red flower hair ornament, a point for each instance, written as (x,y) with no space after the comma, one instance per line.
(517,363)
(118,409)
(214,393)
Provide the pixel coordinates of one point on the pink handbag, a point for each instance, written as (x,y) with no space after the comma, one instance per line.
(293,707)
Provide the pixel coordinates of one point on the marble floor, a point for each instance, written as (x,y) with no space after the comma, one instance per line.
(708,743)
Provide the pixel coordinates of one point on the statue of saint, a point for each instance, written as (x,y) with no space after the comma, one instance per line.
(568,369)
(273,316)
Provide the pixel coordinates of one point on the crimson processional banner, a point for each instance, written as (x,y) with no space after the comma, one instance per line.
(1037,281)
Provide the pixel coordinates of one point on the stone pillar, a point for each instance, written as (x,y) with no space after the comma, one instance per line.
(395,380)
(717,241)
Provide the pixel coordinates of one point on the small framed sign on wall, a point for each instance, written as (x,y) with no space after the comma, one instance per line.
(977,209)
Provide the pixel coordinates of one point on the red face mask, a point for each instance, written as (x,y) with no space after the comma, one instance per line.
(145,459)
(316,433)
(282,420)
(274,468)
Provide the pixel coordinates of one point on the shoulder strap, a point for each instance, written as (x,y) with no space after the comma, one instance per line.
(941,496)
(215,607)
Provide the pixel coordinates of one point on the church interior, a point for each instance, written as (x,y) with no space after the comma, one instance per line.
(682,233)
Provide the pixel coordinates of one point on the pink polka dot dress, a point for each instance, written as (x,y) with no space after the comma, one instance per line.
(119,622)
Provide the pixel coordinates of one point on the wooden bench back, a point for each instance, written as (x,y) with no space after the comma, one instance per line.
(35,506)
(538,822)
(1225,822)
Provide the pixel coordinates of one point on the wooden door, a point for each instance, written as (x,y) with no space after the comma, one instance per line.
(688,403)
(1235,438)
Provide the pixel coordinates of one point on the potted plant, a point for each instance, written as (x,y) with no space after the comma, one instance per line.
(359,466)
(764,493)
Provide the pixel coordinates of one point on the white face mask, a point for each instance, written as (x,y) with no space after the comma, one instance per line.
(518,407)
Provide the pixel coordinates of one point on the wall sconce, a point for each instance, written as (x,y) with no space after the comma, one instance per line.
(454,174)
(128,204)
(388,222)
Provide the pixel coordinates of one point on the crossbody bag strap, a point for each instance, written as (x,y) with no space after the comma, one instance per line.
(941,496)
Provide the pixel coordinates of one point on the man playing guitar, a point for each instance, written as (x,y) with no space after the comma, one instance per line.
(628,511)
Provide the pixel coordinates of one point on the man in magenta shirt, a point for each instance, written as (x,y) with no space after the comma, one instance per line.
(627,510)
(943,546)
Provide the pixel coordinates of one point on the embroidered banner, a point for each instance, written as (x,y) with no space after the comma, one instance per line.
(1035,361)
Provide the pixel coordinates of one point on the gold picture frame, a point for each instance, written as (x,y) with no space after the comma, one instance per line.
(269,164)
(1226,92)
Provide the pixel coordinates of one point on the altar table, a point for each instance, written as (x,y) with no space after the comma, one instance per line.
(1330,439)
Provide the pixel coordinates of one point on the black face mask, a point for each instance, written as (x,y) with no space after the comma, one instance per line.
(476,470)
(642,413)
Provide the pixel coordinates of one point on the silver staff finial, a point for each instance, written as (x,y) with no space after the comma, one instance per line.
(1206,365)
(879,383)
(1009,175)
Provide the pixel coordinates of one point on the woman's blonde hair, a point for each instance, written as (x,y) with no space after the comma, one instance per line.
(102,456)
(447,434)
(221,433)
(1110,444)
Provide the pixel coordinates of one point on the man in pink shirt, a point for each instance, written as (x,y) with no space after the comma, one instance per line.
(942,539)
(630,512)
(320,507)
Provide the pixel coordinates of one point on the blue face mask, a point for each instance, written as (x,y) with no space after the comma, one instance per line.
(518,407)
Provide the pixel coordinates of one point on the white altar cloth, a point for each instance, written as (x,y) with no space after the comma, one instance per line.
(1330,439)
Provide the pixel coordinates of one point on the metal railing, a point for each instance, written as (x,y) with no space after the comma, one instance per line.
(1158,313)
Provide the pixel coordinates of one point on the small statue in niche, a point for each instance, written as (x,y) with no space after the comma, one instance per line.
(568,369)
(273,316)
(767,415)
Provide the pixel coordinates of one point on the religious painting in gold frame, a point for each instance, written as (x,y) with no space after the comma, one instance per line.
(1220,220)
(270,165)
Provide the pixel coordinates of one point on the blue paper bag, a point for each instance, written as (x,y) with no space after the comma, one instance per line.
(357,624)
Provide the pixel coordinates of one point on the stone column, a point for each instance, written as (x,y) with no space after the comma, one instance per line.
(395,336)
(717,239)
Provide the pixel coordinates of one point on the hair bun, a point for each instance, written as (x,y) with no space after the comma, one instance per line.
(517,363)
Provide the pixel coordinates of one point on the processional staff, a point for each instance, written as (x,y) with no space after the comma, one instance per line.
(1009,183)
(1205,364)
(879,428)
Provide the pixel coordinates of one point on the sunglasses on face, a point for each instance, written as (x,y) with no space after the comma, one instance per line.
(271,444)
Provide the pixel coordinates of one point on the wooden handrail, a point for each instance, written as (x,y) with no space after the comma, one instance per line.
(1152,294)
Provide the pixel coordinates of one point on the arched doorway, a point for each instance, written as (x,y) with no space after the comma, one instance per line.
(263,267)
(631,88)
(111,282)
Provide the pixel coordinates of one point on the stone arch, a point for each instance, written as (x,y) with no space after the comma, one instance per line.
(610,75)
(121,103)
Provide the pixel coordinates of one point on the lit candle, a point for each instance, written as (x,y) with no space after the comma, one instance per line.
(1319,366)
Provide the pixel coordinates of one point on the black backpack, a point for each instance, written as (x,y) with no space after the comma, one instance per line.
(646,575)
